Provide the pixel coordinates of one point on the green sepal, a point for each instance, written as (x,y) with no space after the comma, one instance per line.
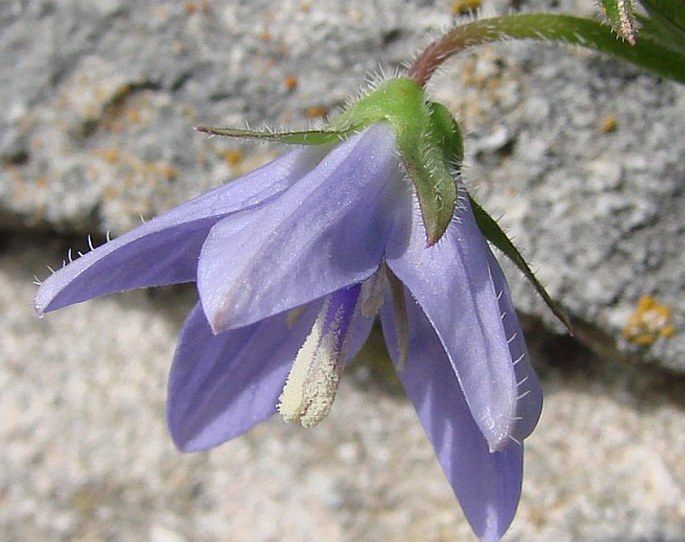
(498,238)
(621,16)
(303,137)
(428,140)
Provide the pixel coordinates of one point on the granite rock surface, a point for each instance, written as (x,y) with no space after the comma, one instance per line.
(580,155)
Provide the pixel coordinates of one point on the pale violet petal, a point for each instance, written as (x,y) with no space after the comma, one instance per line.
(487,484)
(222,385)
(529,404)
(165,249)
(327,232)
(453,284)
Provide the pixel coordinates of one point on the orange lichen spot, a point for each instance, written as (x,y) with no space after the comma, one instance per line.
(196,7)
(110,155)
(304,7)
(290,82)
(162,12)
(650,321)
(608,124)
(234,157)
(116,126)
(462,7)
(265,36)
(42,182)
(493,84)
(133,115)
(316,111)
(169,172)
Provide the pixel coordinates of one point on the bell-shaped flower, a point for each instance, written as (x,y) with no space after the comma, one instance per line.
(293,263)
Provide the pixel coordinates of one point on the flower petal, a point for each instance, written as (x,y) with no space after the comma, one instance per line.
(327,232)
(165,249)
(453,283)
(529,404)
(222,385)
(487,484)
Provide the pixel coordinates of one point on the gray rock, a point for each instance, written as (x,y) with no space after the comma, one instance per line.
(100,98)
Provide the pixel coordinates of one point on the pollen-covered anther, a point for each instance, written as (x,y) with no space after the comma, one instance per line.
(313,381)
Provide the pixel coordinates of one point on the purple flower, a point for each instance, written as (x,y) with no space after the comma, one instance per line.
(292,263)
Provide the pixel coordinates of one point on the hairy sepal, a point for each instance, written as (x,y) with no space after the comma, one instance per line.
(304,137)
(428,141)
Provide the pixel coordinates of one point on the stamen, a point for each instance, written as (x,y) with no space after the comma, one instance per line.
(312,384)
(372,294)
(401,319)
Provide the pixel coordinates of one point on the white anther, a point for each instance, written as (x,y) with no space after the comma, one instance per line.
(313,381)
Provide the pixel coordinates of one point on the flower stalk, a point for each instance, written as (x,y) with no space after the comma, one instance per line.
(565,29)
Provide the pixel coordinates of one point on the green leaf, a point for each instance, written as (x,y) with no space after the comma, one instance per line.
(665,24)
(497,237)
(304,137)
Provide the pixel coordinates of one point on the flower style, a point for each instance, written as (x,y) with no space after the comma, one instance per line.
(292,263)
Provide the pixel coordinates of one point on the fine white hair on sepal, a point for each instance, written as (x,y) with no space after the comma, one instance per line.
(462,197)
(372,81)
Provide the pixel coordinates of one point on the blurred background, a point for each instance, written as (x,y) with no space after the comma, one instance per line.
(581,156)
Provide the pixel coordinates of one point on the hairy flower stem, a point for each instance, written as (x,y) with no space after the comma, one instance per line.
(542,27)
